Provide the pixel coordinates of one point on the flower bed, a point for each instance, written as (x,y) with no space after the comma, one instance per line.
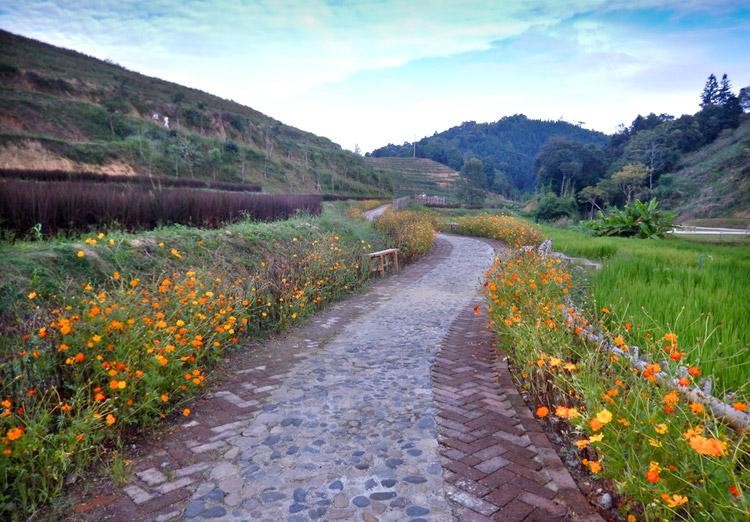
(129,329)
(671,457)
(411,232)
(507,229)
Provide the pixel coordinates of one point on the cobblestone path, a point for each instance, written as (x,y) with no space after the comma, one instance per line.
(342,419)
(346,431)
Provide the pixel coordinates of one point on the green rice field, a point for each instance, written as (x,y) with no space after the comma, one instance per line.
(701,291)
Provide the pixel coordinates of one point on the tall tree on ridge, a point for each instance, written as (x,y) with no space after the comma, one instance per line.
(710,93)
(725,91)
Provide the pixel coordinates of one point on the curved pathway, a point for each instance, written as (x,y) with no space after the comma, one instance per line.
(355,416)
(352,428)
(371,215)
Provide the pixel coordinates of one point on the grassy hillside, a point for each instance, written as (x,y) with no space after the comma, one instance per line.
(416,175)
(60,109)
(714,181)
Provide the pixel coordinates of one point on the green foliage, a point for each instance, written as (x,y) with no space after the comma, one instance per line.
(409,231)
(552,207)
(509,145)
(472,183)
(692,287)
(643,220)
(623,423)
(565,166)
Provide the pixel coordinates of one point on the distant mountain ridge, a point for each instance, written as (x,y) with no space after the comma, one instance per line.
(507,146)
(63,110)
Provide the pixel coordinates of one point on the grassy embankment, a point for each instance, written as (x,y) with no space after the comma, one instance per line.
(105,334)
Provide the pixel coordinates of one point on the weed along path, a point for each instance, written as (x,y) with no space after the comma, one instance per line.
(382,408)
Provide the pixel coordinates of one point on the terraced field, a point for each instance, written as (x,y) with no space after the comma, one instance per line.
(416,175)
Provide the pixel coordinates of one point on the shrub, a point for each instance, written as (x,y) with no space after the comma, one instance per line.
(411,232)
(355,210)
(510,230)
(551,208)
(643,220)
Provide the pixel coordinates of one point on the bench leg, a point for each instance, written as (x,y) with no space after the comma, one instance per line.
(395,261)
(381,267)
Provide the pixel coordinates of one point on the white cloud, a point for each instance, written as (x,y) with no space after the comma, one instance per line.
(372,72)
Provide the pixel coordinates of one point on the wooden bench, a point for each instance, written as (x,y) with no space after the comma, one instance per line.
(383,258)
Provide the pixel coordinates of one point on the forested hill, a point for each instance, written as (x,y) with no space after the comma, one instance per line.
(506,147)
(63,110)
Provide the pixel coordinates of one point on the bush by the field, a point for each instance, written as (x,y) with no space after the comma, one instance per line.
(68,206)
(508,229)
(411,232)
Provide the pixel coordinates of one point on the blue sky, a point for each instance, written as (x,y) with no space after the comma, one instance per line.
(369,73)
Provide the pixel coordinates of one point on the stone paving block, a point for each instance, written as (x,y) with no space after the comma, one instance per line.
(151,476)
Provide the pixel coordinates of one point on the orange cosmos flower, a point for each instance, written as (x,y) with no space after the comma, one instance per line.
(694,371)
(111,419)
(708,446)
(652,476)
(734,491)
(740,406)
(675,500)
(542,411)
(15,433)
(670,401)
(594,465)
(186,412)
(566,413)
(696,408)
(80,253)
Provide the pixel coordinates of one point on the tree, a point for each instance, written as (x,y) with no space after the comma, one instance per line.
(651,149)
(565,166)
(629,179)
(472,182)
(744,98)
(115,105)
(725,91)
(710,95)
(214,157)
(592,196)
